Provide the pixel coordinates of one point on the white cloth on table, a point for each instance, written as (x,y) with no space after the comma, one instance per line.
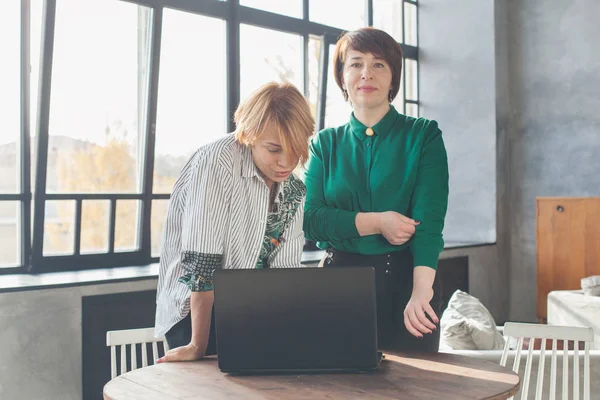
(574,308)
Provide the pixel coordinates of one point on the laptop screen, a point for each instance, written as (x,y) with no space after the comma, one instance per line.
(296,319)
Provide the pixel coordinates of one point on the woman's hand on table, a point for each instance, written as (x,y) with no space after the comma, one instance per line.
(189,352)
(396,228)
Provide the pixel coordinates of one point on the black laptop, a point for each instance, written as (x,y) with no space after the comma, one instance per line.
(296,320)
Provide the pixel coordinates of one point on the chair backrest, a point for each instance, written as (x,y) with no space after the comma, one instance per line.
(132,337)
(564,334)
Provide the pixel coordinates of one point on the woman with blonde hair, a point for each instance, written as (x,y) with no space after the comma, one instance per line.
(236,204)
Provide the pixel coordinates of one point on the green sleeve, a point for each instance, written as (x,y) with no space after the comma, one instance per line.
(323,223)
(430,198)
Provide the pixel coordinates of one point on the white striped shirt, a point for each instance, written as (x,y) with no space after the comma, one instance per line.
(218,213)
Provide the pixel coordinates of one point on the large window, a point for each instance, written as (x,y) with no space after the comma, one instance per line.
(103,101)
(192,101)
(10,104)
(20,25)
(95,127)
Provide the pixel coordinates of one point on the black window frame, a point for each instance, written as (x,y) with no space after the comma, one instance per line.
(234,14)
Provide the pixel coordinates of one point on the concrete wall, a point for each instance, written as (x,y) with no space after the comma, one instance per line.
(40,340)
(457,88)
(521,77)
(554,123)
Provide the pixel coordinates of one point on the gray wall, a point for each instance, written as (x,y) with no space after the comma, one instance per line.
(554,121)
(40,340)
(456,88)
(532,70)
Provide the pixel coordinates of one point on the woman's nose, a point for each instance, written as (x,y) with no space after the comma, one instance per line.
(284,160)
(366,73)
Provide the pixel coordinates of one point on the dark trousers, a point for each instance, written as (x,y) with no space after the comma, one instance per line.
(181,334)
(394,282)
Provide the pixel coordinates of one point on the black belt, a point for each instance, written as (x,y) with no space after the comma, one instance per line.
(375,260)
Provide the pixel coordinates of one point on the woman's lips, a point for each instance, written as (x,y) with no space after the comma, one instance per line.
(367,89)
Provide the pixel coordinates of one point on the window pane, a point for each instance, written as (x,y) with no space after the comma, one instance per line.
(126,225)
(314,55)
(59,222)
(410,24)
(411,79)
(191,108)
(412,110)
(337,110)
(346,14)
(159,213)
(268,55)
(36,39)
(10,235)
(293,8)
(387,16)
(98,96)
(10,94)
(94,226)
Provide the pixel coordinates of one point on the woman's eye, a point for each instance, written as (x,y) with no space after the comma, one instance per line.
(355,65)
(380,65)
(274,151)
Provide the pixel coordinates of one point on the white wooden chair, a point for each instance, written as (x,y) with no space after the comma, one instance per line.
(132,337)
(554,333)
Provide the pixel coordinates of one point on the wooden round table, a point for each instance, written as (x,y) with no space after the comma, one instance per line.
(400,376)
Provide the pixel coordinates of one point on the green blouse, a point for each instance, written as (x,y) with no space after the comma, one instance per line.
(403,167)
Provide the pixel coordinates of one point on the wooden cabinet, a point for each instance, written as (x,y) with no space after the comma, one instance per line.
(567,244)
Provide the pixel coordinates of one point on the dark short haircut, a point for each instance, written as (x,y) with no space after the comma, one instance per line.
(369,40)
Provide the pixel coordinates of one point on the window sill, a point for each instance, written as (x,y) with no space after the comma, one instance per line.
(449,245)
(54,280)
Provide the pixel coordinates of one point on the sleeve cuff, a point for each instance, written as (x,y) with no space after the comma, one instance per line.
(425,257)
(197,283)
(199,270)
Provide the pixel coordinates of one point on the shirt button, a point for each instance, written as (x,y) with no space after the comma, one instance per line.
(368,144)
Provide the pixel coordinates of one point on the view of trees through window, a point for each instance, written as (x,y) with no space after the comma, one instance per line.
(99,97)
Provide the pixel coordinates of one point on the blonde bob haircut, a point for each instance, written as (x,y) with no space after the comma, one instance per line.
(278,106)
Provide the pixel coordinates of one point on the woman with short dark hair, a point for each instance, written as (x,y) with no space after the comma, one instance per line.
(377,192)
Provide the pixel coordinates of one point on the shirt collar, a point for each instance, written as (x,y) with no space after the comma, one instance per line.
(381,129)
(248,168)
